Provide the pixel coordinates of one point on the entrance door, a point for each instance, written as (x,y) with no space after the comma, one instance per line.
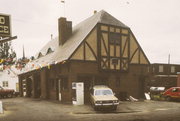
(59,89)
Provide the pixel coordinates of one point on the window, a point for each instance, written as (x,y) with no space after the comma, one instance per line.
(175,90)
(161,69)
(114,38)
(49,51)
(172,69)
(5,83)
(103,92)
(40,55)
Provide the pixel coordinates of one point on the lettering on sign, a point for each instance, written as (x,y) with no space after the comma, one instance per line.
(2,20)
(5,26)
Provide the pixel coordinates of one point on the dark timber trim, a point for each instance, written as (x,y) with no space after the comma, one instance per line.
(91,50)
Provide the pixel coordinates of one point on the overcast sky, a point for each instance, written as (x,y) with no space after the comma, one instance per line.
(155,23)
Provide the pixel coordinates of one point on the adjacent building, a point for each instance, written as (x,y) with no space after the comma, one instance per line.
(178,80)
(9,79)
(100,50)
(163,75)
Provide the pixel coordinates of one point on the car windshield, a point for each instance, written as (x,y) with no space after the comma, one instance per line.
(103,92)
(1,87)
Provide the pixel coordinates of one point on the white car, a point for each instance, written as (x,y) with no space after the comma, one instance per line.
(102,96)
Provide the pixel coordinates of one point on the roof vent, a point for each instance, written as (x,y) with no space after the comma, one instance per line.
(95,11)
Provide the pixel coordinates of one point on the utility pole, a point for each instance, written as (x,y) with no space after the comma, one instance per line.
(169,69)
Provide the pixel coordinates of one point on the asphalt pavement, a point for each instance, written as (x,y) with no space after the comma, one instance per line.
(29,109)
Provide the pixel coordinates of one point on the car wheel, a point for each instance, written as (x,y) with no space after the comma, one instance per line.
(114,108)
(168,98)
(95,108)
(9,95)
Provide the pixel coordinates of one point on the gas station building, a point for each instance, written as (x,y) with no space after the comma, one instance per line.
(100,50)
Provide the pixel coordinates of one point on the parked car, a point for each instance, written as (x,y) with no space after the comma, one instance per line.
(172,93)
(6,92)
(156,92)
(103,97)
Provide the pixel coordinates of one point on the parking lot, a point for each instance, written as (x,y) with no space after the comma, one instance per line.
(28,109)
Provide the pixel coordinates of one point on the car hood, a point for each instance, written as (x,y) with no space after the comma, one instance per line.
(8,90)
(105,98)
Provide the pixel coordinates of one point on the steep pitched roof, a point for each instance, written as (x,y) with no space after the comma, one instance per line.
(80,31)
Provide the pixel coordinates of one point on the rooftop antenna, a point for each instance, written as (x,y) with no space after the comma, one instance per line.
(51,36)
(63,2)
(23,53)
(169,67)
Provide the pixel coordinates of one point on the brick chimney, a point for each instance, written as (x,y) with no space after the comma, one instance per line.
(65,30)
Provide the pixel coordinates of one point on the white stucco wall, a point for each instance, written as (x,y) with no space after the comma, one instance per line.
(12,78)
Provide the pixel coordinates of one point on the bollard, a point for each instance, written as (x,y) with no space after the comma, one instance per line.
(1,107)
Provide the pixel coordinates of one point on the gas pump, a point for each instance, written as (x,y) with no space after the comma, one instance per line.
(1,107)
(78,93)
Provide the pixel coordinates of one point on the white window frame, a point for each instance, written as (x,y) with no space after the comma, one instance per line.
(5,84)
(161,68)
(173,69)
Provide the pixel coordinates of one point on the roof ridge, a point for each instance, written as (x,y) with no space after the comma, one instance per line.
(107,18)
(102,12)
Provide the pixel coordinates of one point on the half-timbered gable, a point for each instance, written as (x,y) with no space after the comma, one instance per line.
(111,44)
(88,48)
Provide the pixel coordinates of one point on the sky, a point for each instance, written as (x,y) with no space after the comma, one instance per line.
(155,23)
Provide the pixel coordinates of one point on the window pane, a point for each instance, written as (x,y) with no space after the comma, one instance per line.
(172,69)
(5,83)
(114,38)
(103,92)
(161,68)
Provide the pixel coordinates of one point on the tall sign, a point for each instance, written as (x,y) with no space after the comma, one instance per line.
(5,26)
